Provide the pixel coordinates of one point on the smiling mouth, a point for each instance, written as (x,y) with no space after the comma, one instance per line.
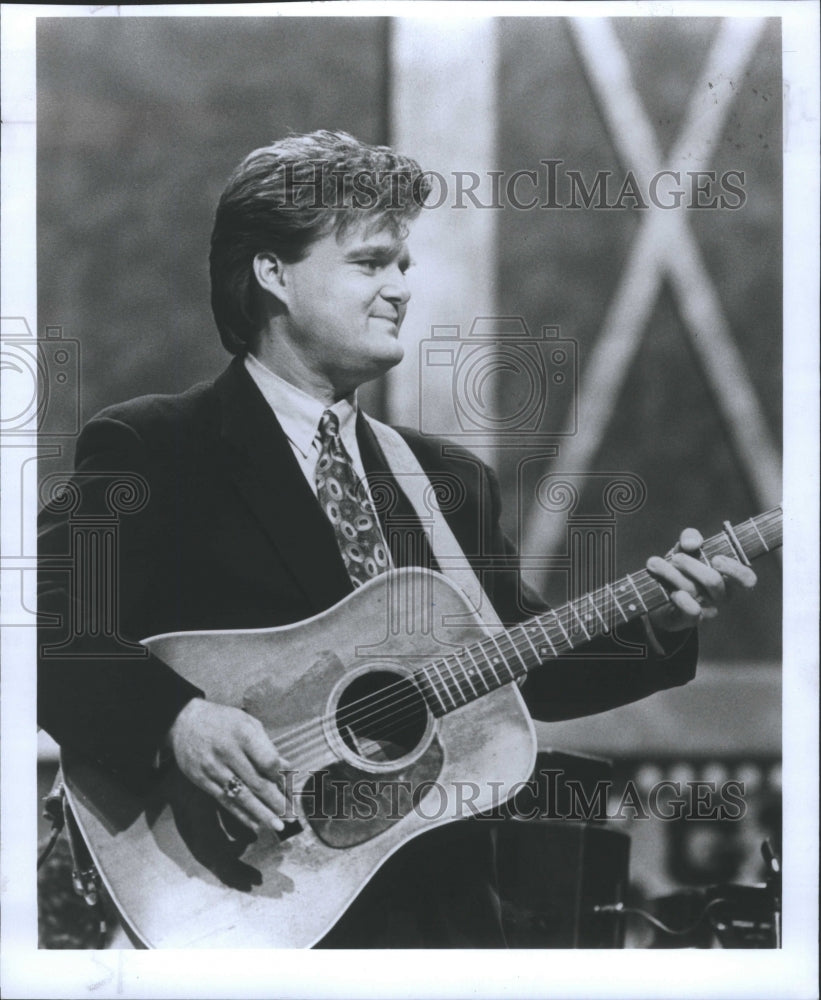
(393,320)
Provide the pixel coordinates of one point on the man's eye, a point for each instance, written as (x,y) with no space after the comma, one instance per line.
(370,264)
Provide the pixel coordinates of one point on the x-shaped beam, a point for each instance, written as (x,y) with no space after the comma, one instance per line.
(664,247)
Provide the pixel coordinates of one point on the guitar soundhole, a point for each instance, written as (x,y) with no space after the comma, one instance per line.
(381,716)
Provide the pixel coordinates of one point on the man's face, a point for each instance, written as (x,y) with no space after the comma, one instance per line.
(346,301)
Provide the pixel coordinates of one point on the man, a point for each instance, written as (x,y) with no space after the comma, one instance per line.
(244,525)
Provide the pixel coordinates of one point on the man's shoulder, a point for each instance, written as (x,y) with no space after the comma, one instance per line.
(156,414)
(158,429)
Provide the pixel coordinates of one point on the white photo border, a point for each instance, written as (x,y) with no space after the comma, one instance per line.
(789,972)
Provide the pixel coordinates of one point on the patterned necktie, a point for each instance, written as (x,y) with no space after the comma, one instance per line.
(347,505)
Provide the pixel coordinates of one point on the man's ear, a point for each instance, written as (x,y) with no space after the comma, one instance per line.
(269,270)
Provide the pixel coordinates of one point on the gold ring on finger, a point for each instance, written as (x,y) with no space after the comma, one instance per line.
(233,787)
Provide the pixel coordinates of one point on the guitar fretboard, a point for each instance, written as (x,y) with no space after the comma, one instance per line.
(452,681)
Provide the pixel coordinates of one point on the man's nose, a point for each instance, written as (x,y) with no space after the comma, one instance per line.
(396,288)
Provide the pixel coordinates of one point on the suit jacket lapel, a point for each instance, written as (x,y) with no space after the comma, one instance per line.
(259,459)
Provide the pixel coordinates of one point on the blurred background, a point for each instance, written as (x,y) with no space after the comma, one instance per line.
(619,346)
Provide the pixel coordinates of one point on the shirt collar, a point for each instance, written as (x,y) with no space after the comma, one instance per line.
(298,412)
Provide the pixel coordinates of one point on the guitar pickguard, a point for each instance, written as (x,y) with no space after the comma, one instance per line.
(347,806)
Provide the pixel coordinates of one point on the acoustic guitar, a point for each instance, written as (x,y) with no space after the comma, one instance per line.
(398,710)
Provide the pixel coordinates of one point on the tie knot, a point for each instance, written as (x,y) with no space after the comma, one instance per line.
(328,425)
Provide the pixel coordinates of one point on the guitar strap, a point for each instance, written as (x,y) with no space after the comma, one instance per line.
(417,487)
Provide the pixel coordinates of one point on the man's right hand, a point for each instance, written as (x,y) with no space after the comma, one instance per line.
(213,744)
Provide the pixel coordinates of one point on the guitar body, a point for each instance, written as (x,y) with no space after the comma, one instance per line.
(184,874)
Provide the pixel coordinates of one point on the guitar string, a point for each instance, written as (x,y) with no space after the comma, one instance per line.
(369,703)
(383,720)
(312,744)
(517,639)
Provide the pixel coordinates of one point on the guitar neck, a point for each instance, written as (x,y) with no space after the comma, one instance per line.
(452,681)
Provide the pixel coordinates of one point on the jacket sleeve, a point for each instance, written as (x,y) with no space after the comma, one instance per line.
(600,675)
(100,693)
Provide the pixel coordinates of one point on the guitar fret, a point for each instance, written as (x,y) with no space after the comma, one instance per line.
(666,594)
(561,627)
(546,634)
(616,602)
(592,601)
(489,663)
(523,630)
(518,653)
(445,685)
(755,529)
(632,607)
(467,672)
(432,685)
(455,681)
(493,660)
(572,607)
(736,544)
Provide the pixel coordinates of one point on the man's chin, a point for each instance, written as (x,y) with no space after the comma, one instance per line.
(384,360)
(389,351)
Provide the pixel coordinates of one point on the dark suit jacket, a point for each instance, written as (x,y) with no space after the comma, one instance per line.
(231,536)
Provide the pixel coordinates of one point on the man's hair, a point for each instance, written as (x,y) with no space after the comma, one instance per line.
(284,197)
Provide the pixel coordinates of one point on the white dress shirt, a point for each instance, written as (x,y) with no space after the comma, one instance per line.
(299,415)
